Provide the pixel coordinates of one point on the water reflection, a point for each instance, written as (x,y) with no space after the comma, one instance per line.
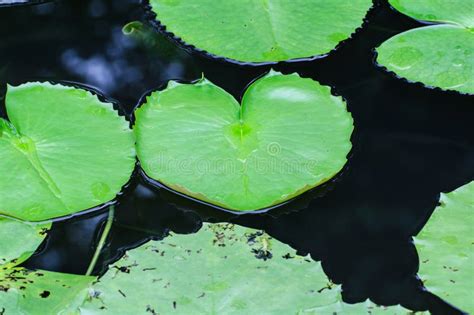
(83,42)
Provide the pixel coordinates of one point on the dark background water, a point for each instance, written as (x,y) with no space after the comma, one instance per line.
(410,144)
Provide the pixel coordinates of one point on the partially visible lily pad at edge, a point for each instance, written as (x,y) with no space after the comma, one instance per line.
(19,240)
(262,31)
(62,151)
(440,55)
(446,249)
(223,269)
(29,292)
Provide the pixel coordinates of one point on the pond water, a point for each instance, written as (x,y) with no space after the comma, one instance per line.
(410,144)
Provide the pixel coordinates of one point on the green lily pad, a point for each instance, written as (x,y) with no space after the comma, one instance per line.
(439,11)
(262,31)
(223,269)
(18,240)
(438,55)
(63,151)
(445,246)
(41,292)
(290,135)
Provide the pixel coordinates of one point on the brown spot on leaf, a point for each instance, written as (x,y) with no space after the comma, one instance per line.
(150,310)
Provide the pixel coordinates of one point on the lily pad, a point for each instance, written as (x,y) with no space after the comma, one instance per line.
(438,11)
(438,55)
(445,246)
(18,240)
(290,135)
(262,31)
(29,292)
(223,269)
(62,151)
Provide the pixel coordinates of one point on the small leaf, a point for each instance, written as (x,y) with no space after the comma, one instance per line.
(18,240)
(63,151)
(445,246)
(223,269)
(440,55)
(29,292)
(289,135)
(262,30)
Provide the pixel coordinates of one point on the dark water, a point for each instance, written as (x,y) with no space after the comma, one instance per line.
(410,144)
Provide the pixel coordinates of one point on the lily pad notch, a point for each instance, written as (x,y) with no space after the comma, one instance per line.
(440,55)
(249,32)
(289,136)
(61,152)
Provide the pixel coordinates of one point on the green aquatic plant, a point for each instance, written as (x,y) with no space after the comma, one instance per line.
(262,31)
(62,151)
(25,291)
(223,269)
(41,292)
(18,240)
(445,247)
(290,135)
(31,292)
(439,55)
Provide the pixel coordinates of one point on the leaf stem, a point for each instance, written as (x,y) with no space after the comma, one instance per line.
(102,240)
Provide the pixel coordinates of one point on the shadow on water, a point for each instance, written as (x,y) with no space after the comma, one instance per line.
(411,143)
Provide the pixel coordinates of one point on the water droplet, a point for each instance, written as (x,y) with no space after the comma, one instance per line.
(34,210)
(96,110)
(275,52)
(450,79)
(458,62)
(100,190)
(451,239)
(337,37)
(404,58)
(79,93)
(39,88)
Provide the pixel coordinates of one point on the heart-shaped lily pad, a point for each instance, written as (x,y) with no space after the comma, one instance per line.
(439,55)
(262,31)
(290,135)
(223,269)
(62,151)
(18,240)
(445,246)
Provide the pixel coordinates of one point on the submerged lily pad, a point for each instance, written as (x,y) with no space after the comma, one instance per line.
(262,31)
(223,269)
(41,292)
(445,246)
(438,55)
(63,151)
(18,240)
(290,135)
